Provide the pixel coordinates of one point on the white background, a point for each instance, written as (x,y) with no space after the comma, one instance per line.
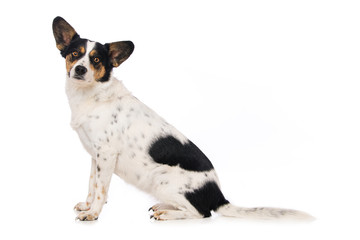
(269,90)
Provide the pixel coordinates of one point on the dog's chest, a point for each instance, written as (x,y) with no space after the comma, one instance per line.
(126,127)
(105,126)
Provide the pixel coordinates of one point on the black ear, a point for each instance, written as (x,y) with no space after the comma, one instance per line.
(64,33)
(119,51)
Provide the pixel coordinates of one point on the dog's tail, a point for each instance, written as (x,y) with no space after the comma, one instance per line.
(263,213)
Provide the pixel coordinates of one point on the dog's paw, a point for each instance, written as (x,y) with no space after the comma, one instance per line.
(162,206)
(157,215)
(87,216)
(82,206)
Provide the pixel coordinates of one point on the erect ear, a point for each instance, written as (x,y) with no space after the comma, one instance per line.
(119,51)
(64,33)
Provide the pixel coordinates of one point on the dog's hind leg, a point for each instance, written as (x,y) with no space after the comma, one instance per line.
(162,206)
(174,215)
(180,209)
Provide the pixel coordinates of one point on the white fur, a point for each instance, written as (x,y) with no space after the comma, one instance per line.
(263,213)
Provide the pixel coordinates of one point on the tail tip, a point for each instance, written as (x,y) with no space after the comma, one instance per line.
(265,213)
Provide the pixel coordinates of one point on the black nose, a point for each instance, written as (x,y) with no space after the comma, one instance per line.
(80,70)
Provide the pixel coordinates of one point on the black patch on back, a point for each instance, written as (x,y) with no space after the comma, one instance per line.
(168,150)
(207,198)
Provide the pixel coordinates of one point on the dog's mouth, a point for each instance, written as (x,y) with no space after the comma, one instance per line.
(78,77)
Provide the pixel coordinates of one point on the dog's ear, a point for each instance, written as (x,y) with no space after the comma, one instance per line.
(64,33)
(119,51)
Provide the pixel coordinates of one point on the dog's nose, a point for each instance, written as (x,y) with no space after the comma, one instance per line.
(80,70)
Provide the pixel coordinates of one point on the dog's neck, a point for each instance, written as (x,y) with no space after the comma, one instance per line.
(82,99)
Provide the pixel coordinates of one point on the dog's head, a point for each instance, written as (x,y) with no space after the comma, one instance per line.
(88,62)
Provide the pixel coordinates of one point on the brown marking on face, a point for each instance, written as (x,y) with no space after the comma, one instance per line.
(103,190)
(82,50)
(70,62)
(98,69)
(98,197)
(92,53)
(87,204)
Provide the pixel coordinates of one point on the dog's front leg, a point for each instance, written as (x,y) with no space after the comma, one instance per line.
(105,164)
(85,206)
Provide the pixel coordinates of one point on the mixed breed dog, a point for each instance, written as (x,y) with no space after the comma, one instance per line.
(125,137)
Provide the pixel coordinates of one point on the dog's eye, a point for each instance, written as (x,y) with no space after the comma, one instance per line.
(75,54)
(96,60)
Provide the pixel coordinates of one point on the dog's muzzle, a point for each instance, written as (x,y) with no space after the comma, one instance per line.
(80,72)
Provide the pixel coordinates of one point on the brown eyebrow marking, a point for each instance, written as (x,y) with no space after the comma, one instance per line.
(82,50)
(92,53)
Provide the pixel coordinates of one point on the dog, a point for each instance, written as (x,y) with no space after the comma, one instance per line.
(125,137)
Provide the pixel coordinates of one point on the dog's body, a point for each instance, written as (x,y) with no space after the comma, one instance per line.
(125,137)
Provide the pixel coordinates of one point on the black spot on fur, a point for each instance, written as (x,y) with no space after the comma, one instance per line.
(207,198)
(170,151)
(98,168)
